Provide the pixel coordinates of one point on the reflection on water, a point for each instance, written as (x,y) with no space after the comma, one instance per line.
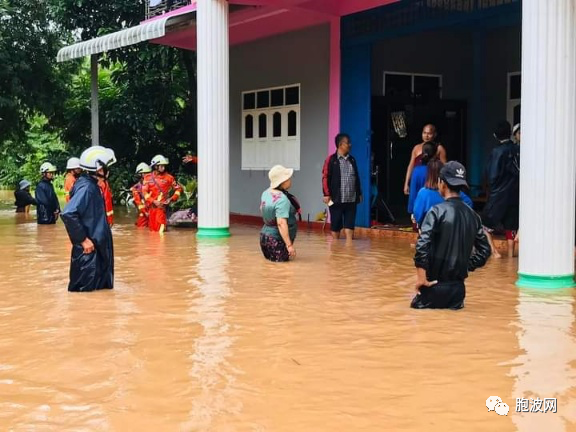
(208,336)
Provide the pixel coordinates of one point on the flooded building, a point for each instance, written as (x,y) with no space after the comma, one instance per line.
(278,79)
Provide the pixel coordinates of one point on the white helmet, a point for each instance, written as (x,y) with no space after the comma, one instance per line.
(96,157)
(47,167)
(73,163)
(143,168)
(158,160)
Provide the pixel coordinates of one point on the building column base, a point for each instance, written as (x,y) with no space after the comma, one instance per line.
(545,282)
(213,232)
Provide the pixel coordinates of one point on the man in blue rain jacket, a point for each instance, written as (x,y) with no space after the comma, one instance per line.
(92,261)
(48,207)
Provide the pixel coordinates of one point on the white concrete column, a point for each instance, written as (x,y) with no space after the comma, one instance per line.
(213,118)
(94,97)
(547,161)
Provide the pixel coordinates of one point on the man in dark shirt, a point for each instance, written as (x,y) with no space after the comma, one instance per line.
(452,242)
(23,197)
(47,207)
(341,188)
(503,172)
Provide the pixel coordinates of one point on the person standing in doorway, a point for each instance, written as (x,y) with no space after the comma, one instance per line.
(452,242)
(341,187)
(48,207)
(503,172)
(416,171)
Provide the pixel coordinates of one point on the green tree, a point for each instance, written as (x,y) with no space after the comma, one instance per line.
(30,81)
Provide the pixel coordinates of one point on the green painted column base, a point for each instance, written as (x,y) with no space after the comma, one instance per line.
(213,232)
(545,282)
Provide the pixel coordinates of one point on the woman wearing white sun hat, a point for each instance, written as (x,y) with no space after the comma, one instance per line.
(279,209)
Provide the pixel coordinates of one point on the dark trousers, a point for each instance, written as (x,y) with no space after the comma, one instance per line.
(443,295)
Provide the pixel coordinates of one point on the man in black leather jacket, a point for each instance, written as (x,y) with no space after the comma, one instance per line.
(452,242)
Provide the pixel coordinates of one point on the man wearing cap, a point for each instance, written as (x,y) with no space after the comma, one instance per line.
(452,242)
(23,197)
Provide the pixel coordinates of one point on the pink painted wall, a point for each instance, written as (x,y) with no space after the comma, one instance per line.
(334,108)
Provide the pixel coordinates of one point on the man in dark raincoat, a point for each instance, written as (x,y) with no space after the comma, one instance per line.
(503,172)
(92,261)
(48,207)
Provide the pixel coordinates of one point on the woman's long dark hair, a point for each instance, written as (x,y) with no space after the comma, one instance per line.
(429,152)
(434,166)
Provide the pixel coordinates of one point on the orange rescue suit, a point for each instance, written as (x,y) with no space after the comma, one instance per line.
(140,202)
(108,202)
(157,188)
(68,183)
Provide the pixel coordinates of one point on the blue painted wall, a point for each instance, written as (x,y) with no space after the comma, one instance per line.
(355,116)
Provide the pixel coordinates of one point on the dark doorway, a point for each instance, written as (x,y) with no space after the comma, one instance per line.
(397,127)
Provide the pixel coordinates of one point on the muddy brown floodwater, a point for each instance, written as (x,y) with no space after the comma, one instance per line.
(207,336)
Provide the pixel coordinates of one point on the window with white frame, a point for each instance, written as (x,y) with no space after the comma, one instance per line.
(420,86)
(271,128)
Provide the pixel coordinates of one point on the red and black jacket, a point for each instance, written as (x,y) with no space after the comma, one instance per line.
(331,178)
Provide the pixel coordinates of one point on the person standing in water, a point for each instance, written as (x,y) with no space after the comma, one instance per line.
(23,197)
(279,209)
(452,242)
(48,207)
(341,188)
(74,171)
(143,170)
(92,258)
(503,172)
(416,171)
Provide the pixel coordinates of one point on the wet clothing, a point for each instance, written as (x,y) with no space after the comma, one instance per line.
(47,203)
(503,172)
(340,179)
(276,204)
(417,181)
(69,184)
(274,249)
(342,215)
(23,199)
(452,242)
(428,198)
(157,188)
(85,217)
(108,200)
(443,295)
(140,203)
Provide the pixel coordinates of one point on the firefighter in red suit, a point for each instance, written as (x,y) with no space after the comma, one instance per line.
(143,170)
(157,193)
(108,201)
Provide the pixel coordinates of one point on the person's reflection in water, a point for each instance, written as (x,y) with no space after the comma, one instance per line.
(211,371)
(546,369)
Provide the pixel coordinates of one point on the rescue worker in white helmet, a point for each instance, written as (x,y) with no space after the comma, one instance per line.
(143,172)
(73,171)
(157,193)
(48,207)
(92,260)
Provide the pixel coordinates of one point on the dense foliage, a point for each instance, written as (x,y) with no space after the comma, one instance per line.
(147,92)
